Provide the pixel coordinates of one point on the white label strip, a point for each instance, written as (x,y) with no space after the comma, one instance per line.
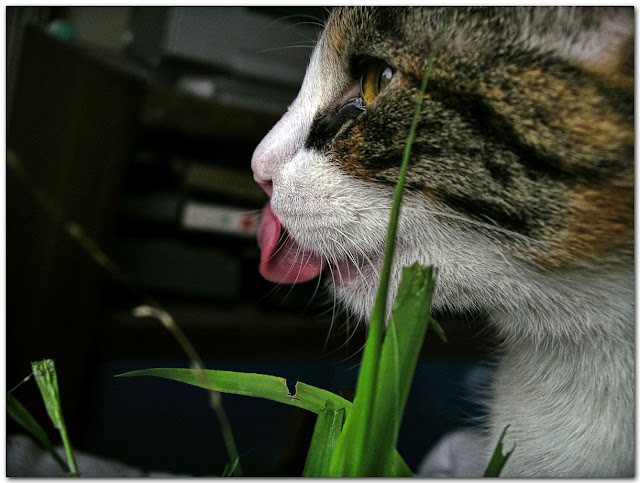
(218,218)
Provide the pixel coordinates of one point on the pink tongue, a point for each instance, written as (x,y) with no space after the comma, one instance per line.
(281,259)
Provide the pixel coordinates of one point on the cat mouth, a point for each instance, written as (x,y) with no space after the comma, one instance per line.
(283,260)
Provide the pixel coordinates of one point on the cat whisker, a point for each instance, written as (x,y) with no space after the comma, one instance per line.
(315,292)
(356,365)
(298,254)
(285,47)
(351,332)
(487,226)
(256,212)
(333,319)
(349,256)
(315,24)
(331,261)
(282,244)
(285,19)
(364,255)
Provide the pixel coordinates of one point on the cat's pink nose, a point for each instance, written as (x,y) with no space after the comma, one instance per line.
(264,162)
(276,149)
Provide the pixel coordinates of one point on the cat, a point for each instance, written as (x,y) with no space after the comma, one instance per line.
(520,191)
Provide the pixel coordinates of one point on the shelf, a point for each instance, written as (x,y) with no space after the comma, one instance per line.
(178,112)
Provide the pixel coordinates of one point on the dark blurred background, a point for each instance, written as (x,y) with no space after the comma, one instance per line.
(139,124)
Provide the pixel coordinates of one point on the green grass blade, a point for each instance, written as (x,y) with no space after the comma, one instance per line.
(409,322)
(350,456)
(399,356)
(433,323)
(379,310)
(23,417)
(499,459)
(248,384)
(47,379)
(400,351)
(314,396)
(326,432)
(230,468)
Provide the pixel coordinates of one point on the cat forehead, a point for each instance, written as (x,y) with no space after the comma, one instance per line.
(588,35)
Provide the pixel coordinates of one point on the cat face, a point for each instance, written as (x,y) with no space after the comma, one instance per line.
(522,165)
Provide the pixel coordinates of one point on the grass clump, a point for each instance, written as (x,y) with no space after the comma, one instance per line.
(47,379)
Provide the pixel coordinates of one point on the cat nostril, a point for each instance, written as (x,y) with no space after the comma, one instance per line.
(266,185)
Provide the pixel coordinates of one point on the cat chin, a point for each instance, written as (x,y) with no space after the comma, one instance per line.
(356,298)
(358,295)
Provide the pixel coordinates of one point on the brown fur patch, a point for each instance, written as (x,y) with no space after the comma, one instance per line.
(335,40)
(352,144)
(599,224)
(564,115)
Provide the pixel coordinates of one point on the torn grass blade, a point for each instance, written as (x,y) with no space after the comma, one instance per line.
(23,417)
(248,384)
(263,386)
(499,459)
(45,374)
(326,432)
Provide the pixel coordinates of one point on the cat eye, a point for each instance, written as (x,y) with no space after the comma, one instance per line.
(375,78)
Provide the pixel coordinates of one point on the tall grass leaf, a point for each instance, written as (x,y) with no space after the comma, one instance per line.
(499,459)
(325,434)
(401,348)
(22,416)
(47,379)
(352,456)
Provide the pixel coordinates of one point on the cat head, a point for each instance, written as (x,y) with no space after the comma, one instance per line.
(522,166)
